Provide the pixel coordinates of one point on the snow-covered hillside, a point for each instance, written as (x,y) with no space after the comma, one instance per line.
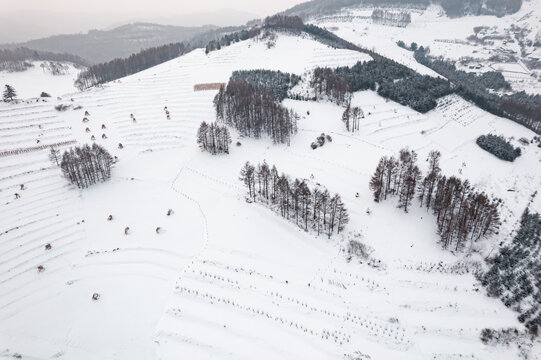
(35,80)
(228,279)
(510,38)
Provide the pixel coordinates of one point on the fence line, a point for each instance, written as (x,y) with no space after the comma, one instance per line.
(35,148)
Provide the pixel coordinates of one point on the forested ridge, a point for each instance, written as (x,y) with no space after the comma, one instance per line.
(118,68)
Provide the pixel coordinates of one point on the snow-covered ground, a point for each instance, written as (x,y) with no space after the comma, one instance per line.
(35,80)
(226,279)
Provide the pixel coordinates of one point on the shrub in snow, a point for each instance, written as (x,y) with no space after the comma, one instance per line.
(498,146)
(62,107)
(320,141)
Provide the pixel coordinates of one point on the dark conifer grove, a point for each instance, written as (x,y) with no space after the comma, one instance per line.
(86,165)
(310,208)
(499,147)
(515,273)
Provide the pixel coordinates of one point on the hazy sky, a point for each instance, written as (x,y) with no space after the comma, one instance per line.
(149,7)
(22,20)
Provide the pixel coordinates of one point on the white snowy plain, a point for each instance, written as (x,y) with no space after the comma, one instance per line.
(226,279)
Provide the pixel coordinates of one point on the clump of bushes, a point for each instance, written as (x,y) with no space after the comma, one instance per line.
(62,107)
(499,147)
(320,141)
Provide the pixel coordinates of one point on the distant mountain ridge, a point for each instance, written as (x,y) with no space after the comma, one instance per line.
(103,45)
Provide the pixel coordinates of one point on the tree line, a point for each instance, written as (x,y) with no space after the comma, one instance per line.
(388,17)
(390,79)
(86,165)
(520,107)
(213,138)
(310,208)
(232,38)
(282,22)
(254,111)
(277,82)
(462,212)
(121,67)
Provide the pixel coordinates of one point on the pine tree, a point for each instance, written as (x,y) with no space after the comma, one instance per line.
(247,175)
(376,182)
(54,156)
(9,93)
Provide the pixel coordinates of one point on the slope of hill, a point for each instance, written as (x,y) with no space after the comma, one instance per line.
(226,278)
(478,43)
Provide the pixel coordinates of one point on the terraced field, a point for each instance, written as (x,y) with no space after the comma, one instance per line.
(224,278)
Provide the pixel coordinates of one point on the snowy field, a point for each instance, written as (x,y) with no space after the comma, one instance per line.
(226,279)
(30,83)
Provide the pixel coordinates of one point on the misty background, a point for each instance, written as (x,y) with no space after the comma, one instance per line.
(25,20)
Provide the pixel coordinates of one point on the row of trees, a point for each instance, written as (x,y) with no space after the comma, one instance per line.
(86,165)
(213,138)
(499,147)
(232,38)
(352,117)
(118,68)
(277,82)
(462,213)
(310,208)
(55,68)
(254,111)
(394,18)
